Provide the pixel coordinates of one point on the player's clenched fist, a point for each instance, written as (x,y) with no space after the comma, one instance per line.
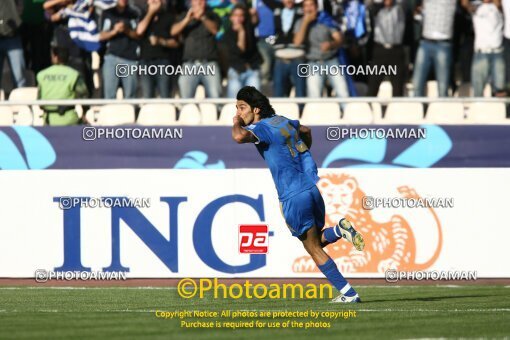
(238,120)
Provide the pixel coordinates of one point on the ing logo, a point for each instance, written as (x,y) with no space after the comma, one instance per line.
(388,245)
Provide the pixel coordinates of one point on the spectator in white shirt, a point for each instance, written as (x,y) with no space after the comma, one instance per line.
(435,46)
(488,61)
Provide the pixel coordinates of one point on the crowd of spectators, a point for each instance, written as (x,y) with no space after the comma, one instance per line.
(261,43)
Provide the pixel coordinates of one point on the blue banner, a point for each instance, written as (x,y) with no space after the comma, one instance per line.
(208,147)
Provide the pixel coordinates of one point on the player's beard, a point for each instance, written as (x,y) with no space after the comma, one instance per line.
(243,121)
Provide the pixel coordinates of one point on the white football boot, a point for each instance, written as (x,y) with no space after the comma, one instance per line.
(350,234)
(346,299)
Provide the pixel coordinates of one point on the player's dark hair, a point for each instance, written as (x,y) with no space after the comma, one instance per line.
(62,53)
(256,99)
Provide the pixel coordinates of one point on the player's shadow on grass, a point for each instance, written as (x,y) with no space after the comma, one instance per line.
(429,299)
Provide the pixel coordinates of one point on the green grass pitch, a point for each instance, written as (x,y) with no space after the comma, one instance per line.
(129,313)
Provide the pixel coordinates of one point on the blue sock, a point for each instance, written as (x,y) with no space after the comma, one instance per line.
(332,234)
(330,270)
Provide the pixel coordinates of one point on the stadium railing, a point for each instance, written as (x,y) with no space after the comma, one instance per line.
(313,111)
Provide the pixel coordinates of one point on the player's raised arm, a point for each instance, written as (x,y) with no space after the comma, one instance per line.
(239,134)
(305,133)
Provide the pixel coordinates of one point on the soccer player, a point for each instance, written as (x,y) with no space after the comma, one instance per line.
(285,144)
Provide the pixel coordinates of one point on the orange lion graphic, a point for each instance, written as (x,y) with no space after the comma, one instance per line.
(389,245)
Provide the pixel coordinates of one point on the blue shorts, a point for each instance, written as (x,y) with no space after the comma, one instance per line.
(303,211)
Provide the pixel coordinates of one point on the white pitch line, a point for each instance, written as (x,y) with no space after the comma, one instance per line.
(84,288)
(267,310)
(436,310)
(173,288)
(397,310)
(48,311)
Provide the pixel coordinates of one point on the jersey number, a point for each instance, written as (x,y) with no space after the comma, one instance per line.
(299,145)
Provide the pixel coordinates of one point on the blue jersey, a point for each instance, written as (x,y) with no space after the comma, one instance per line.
(287,156)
